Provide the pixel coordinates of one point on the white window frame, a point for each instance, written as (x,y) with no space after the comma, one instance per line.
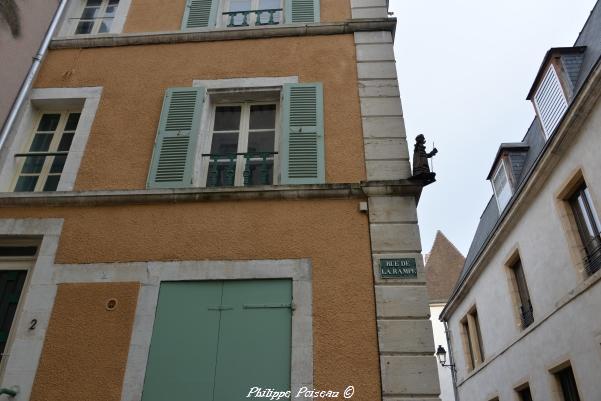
(224,6)
(74,11)
(45,100)
(243,134)
(508,183)
(53,147)
(244,87)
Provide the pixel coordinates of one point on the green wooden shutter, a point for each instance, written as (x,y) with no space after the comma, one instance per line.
(183,349)
(200,14)
(175,144)
(255,338)
(302,150)
(302,11)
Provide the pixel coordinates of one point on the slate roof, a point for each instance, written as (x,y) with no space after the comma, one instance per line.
(589,37)
(443,266)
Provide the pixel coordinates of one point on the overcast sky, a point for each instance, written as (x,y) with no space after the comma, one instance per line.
(465,68)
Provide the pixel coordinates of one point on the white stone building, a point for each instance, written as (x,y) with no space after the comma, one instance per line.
(442,265)
(524,317)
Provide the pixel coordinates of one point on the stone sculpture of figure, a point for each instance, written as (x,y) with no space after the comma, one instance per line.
(421,169)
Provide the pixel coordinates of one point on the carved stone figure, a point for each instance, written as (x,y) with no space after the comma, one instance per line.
(421,169)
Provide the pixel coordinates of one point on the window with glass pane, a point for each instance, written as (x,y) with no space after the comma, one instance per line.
(567,382)
(239,13)
(96,17)
(40,168)
(243,145)
(525,308)
(525,394)
(472,338)
(501,187)
(589,227)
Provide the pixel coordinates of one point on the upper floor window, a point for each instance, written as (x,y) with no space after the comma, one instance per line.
(244,13)
(239,13)
(567,383)
(96,16)
(550,101)
(243,138)
(589,227)
(524,393)
(243,145)
(472,339)
(40,168)
(521,287)
(501,186)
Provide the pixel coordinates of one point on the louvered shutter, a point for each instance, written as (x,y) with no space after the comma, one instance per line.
(550,101)
(200,14)
(302,11)
(302,137)
(175,144)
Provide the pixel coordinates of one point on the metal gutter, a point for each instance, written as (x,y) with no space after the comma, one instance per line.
(31,75)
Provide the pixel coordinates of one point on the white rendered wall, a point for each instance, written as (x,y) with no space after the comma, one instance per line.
(567,322)
(440,338)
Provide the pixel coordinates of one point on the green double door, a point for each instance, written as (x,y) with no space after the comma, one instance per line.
(215,340)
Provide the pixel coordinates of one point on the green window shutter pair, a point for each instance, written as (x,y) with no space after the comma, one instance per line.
(302,139)
(215,340)
(203,13)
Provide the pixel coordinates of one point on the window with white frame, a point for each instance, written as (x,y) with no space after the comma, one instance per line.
(243,143)
(240,13)
(41,166)
(96,16)
(501,186)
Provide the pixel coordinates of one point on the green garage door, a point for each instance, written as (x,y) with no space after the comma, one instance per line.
(215,340)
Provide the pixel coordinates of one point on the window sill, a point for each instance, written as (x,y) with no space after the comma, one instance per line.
(221,34)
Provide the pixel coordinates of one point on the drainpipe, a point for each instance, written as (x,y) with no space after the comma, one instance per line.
(31,75)
(451,359)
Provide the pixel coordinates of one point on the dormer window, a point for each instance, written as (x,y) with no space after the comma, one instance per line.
(506,171)
(555,85)
(501,186)
(550,101)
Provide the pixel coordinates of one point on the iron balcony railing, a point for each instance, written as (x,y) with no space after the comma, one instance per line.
(527,314)
(592,261)
(258,168)
(38,154)
(270,15)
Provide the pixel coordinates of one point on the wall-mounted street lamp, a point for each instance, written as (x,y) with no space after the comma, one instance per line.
(441,354)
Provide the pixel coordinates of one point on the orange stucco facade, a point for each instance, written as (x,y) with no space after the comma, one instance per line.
(158,15)
(134,80)
(71,369)
(327,232)
(331,232)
